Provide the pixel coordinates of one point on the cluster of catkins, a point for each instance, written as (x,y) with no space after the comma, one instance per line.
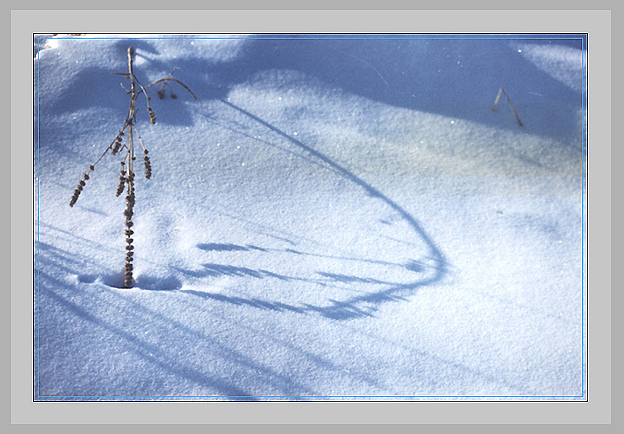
(126,178)
(126,182)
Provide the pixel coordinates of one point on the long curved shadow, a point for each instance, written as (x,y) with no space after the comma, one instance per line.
(348,308)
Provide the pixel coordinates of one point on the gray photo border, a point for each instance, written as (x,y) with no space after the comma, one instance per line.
(596,23)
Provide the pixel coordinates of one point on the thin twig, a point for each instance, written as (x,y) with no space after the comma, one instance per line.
(172,79)
(139,136)
(502,91)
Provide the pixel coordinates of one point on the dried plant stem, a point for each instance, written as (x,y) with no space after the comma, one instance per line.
(129,212)
(501,92)
(127,174)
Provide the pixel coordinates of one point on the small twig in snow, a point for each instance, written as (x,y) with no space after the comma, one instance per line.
(502,91)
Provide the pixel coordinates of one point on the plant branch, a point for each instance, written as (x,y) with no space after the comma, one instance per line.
(127,175)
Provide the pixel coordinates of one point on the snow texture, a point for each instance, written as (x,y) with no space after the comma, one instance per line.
(332,219)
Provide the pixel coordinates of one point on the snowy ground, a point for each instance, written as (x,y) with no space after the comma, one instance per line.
(330,219)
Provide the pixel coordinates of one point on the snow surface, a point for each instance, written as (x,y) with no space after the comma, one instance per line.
(332,218)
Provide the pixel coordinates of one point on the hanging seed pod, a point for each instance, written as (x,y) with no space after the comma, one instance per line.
(78,190)
(122,183)
(74,198)
(148,165)
(116,146)
(151,115)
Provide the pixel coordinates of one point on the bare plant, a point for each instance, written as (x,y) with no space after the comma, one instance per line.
(502,91)
(127,175)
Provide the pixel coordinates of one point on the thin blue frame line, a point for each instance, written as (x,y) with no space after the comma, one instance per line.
(320,34)
(582,189)
(582,222)
(582,39)
(38,219)
(330,35)
(313,396)
(312,38)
